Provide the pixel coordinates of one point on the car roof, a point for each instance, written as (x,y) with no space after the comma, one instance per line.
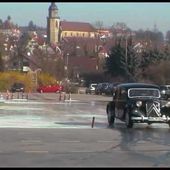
(137,85)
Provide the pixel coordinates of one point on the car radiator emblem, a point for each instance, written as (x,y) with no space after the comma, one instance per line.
(153,109)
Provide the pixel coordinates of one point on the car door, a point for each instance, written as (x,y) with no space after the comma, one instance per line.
(48,89)
(122,102)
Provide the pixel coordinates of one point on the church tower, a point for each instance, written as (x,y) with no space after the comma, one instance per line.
(53,24)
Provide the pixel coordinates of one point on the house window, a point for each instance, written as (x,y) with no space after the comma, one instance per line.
(77,34)
(71,34)
(65,33)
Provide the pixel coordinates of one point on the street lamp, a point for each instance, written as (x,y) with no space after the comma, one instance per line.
(126,38)
(66,66)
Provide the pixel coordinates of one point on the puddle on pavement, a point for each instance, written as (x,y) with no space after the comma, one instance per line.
(55,115)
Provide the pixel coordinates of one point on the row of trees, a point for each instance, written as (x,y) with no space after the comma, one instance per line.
(153,35)
(151,65)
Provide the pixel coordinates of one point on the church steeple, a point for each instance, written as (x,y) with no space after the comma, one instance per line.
(53,24)
(53,10)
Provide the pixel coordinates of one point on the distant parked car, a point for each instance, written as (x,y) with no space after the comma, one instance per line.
(17,87)
(165,91)
(110,89)
(91,88)
(50,89)
(100,88)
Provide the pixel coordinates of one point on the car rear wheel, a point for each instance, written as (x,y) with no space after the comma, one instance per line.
(110,116)
(128,120)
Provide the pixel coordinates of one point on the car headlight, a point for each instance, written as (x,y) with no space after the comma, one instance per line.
(163,91)
(139,103)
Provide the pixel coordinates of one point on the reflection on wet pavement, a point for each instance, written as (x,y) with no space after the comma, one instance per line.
(32,114)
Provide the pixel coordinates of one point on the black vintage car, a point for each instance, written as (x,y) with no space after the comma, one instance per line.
(137,103)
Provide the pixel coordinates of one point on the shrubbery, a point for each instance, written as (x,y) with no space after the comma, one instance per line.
(28,79)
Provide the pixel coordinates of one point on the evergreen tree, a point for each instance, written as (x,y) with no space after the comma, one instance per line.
(32,26)
(122,63)
(116,62)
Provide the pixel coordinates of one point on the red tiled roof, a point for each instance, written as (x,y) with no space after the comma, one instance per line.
(77,26)
(84,64)
(40,40)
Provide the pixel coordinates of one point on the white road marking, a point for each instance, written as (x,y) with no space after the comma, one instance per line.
(31,141)
(19,108)
(36,151)
(74,141)
(104,141)
(82,151)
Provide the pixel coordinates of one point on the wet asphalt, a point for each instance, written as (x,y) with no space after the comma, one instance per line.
(44,130)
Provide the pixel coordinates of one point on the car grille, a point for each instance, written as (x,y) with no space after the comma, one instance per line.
(153,109)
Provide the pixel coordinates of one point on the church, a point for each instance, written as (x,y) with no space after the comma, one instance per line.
(78,40)
(57,29)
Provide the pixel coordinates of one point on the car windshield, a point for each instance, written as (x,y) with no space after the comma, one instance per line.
(143,92)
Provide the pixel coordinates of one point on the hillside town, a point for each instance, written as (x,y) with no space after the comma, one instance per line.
(70,50)
(80,94)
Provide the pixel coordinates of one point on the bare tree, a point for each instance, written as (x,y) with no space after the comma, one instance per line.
(49,63)
(98,24)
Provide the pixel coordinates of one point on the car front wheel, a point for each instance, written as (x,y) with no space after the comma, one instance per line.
(128,120)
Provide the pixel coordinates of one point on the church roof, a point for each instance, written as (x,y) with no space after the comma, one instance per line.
(84,64)
(77,26)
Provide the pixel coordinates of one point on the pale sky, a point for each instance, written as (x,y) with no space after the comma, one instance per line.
(136,15)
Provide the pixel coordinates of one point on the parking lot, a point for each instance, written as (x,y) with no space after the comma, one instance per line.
(54,111)
(44,131)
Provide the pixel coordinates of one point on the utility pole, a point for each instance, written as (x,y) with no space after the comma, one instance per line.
(66,65)
(126,49)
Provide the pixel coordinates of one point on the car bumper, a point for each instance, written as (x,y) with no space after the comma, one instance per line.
(144,119)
